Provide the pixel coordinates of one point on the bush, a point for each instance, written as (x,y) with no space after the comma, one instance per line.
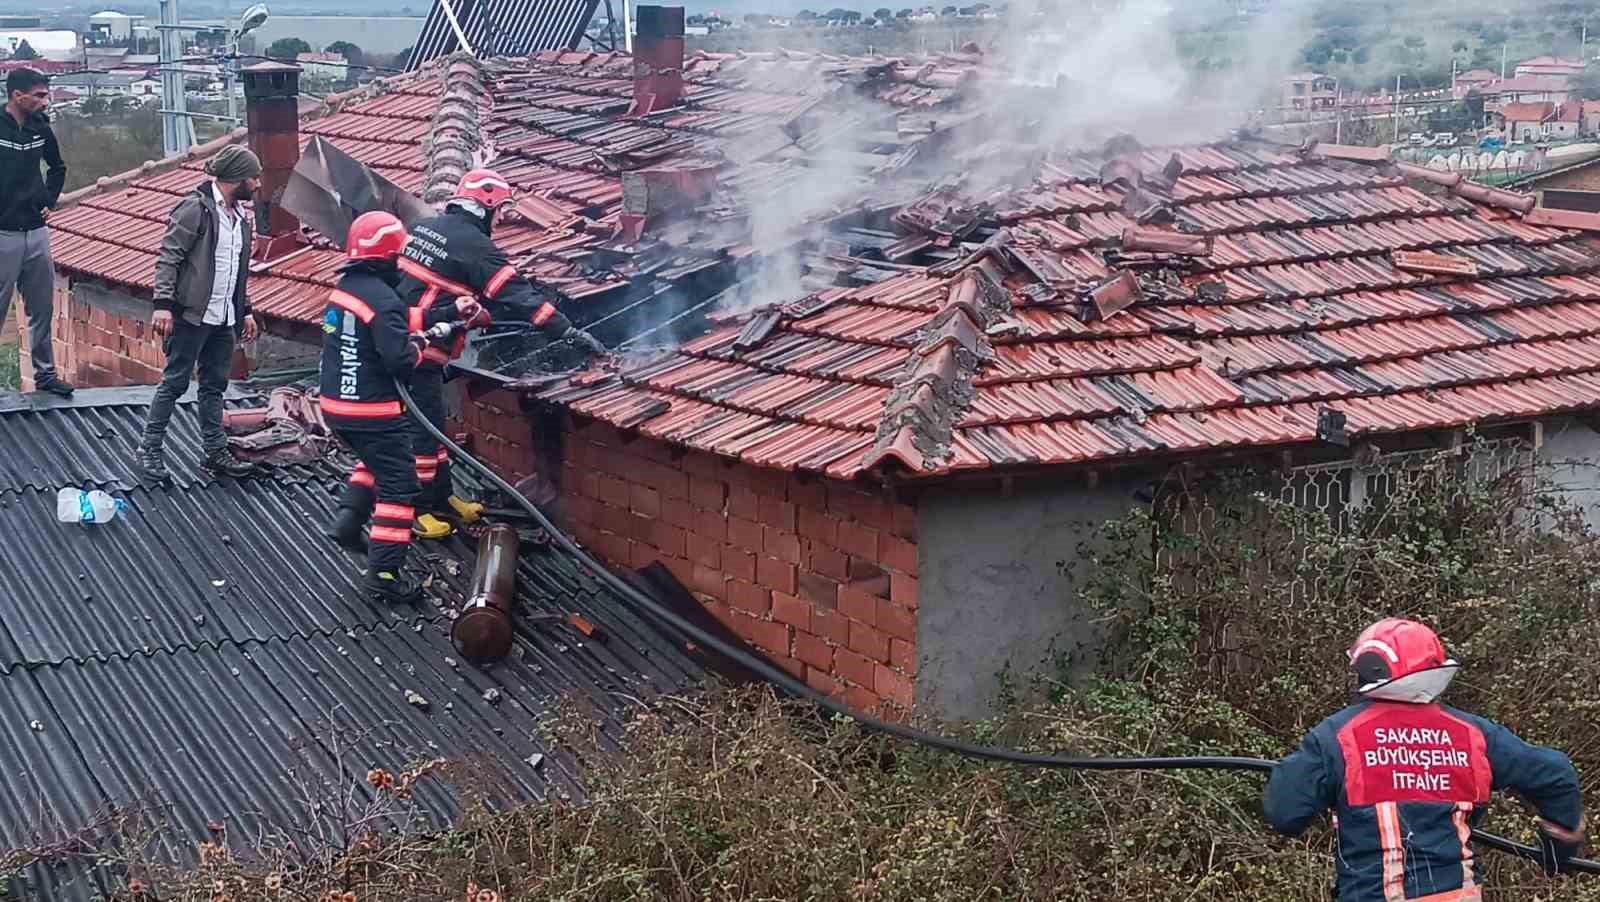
(1232,636)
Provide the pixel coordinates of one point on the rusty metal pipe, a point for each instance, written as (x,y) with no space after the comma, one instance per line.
(482,632)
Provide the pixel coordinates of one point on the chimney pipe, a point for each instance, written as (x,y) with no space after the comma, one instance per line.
(657,59)
(272,117)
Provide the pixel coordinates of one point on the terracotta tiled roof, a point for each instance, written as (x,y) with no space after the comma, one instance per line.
(1528,112)
(1283,285)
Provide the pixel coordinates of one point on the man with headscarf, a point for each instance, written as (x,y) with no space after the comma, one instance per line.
(201,306)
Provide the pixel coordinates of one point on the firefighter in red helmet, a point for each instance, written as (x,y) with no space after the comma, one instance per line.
(1408,778)
(452,256)
(366,349)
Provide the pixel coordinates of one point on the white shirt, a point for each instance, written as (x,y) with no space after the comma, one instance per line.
(230,243)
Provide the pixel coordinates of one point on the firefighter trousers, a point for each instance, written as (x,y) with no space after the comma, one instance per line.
(431,459)
(383,487)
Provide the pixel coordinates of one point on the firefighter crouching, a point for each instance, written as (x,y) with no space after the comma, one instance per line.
(367,347)
(448,256)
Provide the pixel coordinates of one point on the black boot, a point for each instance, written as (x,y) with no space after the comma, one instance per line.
(223,462)
(346,531)
(393,586)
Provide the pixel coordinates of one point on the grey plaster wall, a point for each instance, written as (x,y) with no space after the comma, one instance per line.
(997,589)
(1570,460)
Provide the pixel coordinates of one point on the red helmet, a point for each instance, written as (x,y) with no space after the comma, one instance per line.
(485,186)
(375,236)
(1401,661)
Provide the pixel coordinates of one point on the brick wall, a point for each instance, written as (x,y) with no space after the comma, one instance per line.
(499,434)
(820,575)
(94,346)
(1584,178)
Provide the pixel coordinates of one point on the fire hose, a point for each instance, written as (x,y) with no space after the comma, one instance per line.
(772,674)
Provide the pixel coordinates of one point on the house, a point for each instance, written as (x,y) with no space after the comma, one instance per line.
(1550,66)
(206,657)
(323,66)
(1307,92)
(878,441)
(1591,117)
(1571,186)
(1566,122)
(1525,89)
(1525,122)
(1472,80)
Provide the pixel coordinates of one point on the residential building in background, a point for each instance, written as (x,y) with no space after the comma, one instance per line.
(322,66)
(111,27)
(1306,93)
(1549,65)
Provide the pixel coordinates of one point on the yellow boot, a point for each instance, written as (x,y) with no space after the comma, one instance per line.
(467,511)
(428,526)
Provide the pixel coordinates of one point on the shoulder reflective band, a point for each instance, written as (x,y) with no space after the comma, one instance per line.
(344,300)
(430,278)
(367,410)
(543,314)
(414,319)
(498,280)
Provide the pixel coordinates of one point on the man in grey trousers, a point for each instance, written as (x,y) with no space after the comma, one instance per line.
(201,307)
(25,141)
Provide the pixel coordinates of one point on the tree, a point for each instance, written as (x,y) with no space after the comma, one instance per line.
(1586,84)
(904,14)
(882,14)
(351,53)
(1459,47)
(287,49)
(24,51)
(805,15)
(1318,52)
(948,11)
(1415,42)
(756,20)
(93,106)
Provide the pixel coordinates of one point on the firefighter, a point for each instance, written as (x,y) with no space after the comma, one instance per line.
(1408,778)
(448,256)
(366,349)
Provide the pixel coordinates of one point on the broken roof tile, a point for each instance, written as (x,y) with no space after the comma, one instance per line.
(1429,262)
(1163,241)
(1380,154)
(1115,295)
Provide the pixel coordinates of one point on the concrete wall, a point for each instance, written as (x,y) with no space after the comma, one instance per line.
(999,576)
(1570,458)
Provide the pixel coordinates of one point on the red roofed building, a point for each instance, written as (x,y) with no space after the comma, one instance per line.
(878,446)
(1525,121)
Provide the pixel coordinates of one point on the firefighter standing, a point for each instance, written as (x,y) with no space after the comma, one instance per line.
(367,348)
(1408,778)
(448,256)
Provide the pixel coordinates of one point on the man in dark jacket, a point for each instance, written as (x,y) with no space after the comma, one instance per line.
(367,349)
(448,256)
(201,306)
(1408,778)
(25,199)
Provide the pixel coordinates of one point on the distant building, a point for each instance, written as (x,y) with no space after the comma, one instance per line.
(47,43)
(1526,89)
(322,66)
(1305,93)
(1573,186)
(1591,117)
(1525,121)
(1549,65)
(111,27)
(1473,79)
(1567,122)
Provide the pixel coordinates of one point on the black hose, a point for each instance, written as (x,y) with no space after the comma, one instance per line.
(781,679)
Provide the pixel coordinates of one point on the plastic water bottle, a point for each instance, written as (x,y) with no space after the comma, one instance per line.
(78,506)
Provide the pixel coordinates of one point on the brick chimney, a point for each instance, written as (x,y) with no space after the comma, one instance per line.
(657,60)
(272,116)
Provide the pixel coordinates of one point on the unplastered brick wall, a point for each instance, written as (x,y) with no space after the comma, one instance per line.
(95,345)
(498,432)
(818,574)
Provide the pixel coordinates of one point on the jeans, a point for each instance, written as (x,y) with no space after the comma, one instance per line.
(191,348)
(25,267)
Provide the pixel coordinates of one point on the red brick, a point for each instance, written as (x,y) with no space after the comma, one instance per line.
(795,668)
(855,668)
(777,514)
(791,610)
(613,491)
(899,622)
(744,503)
(829,563)
(808,492)
(903,589)
(744,534)
(579,509)
(709,581)
(819,589)
(704,550)
(821,682)
(771,636)
(812,650)
(641,555)
(665,536)
(707,494)
(785,546)
(738,563)
(857,540)
(667,480)
(858,605)
(862,700)
(831,625)
(893,687)
(816,524)
(703,465)
(898,554)
(613,519)
(644,500)
(678,512)
(903,655)
(645,449)
(612,548)
(869,577)
(779,576)
(742,624)
(748,596)
(682,570)
(772,483)
(865,640)
(712,525)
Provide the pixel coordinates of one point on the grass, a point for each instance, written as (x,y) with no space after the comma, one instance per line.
(10,368)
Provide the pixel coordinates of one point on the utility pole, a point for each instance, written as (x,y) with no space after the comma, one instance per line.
(1502,61)
(229,61)
(177,129)
(1397,109)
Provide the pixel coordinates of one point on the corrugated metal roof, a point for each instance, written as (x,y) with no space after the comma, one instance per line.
(129,675)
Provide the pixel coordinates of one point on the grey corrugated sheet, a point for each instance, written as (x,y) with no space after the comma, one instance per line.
(222,704)
(524,27)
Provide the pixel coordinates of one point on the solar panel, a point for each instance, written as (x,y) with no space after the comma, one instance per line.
(521,27)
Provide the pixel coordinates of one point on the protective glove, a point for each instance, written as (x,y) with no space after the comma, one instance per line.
(469,311)
(586,341)
(1560,844)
